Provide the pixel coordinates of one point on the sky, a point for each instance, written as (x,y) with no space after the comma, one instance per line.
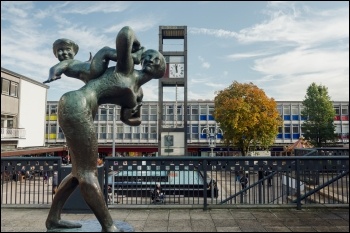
(281,47)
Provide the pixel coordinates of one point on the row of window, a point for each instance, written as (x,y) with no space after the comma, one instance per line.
(195,131)
(292,112)
(9,87)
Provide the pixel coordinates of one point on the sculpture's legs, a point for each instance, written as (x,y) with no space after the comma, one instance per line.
(76,112)
(65,189)
(92,193)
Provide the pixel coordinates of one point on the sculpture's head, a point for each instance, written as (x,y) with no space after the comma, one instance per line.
(65,49)
(153,63)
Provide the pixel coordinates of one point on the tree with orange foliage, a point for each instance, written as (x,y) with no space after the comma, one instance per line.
(247,116)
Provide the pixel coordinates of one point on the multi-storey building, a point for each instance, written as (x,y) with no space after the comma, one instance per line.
(21,125)
(143,139)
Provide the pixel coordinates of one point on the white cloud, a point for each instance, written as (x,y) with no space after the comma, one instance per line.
(138,26)
(239,56)
(86,7)
(205,64)
(303,61)
(221,33)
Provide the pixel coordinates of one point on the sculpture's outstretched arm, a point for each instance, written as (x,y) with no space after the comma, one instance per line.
(127,46)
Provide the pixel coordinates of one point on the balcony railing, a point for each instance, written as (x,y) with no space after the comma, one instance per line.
(11,133)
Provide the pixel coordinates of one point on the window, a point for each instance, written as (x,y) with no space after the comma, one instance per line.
(103,114)
(279,109)
(110,114)
(203,110)
(286,110)
(194,128)
(295,128)
(117,111)
(211,113)
(60,133)
(103,129)
(279,129)
(145,113)
(110,131)
(170,110)
(153,113)
(53,109)
(211,110)
(144,129)
(337,110)
(286,128)
(344,110)
(194,113)
(295,110)
(53,129)
(5,86)
(153,132)
(9,87)
(179,109)
(119,129)
(14,89)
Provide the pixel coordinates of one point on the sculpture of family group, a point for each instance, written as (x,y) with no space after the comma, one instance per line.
(120,85)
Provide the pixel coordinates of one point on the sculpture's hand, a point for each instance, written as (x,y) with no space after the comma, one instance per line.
(50,79)
(136,56)
(136,46)
(132,116)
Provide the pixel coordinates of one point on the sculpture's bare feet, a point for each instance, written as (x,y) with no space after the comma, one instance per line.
(61,224)
(112,228)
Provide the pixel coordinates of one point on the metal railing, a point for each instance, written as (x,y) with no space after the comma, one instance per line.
(8,133)
(192,181)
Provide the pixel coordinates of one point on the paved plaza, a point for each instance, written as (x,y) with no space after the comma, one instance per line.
(239,219)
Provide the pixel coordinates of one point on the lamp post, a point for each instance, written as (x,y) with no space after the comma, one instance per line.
(113,143)
(211,136)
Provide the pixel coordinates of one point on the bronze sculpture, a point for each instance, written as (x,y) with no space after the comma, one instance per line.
(120,85)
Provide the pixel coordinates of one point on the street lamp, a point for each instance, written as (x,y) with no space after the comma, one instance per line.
(113,144)
(211,136)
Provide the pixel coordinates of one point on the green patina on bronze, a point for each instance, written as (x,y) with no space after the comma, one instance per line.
(120,85)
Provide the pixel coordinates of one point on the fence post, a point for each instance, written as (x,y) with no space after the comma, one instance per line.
(297,173)
(105,190)
(205,185)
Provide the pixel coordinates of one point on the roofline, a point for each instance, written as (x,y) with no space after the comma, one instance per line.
(9,72)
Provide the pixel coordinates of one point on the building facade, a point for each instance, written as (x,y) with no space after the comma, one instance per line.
(143,140)
(23,108)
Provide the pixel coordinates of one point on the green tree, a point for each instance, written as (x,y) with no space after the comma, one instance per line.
(247,116)
(319,113)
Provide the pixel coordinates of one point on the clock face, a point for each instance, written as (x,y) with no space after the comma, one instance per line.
(168,140)
(177,70)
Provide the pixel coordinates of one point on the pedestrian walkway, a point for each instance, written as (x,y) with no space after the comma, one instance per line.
(325,219)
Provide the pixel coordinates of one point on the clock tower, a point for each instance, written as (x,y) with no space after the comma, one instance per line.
(172,118)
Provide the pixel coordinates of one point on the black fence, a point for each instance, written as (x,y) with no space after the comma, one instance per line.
(191,181)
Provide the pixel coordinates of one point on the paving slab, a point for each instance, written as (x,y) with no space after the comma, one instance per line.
(327,219)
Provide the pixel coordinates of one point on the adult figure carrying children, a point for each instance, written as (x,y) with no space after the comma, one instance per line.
(120,85)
